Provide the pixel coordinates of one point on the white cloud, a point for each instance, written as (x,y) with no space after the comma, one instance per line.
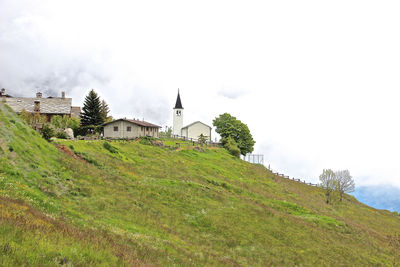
(316,82)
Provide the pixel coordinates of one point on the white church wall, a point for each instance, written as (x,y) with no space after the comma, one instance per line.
(184,132)
(196,129)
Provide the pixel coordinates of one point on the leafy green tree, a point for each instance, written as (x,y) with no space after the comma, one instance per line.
(228,126)
(202,139)
(229,144)
(61,123)
(57,122)
(33,119)
(167,133)
(73,123)
(92,110)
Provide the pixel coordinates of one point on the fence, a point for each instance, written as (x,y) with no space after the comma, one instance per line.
(259,159)
(195,140)
(254,158)
(293,179)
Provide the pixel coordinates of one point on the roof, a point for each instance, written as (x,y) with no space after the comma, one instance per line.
(56,105)
(137,122)
(76,112)
(178,103)
(187,126)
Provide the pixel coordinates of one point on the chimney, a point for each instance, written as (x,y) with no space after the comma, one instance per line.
(63,94)
(36,107)
(38,95)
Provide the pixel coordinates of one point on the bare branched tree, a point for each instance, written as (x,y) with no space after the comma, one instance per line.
(328,183)
(345,183)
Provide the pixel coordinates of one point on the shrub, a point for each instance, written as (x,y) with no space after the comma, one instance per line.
(61,135)
(146,140)
(47,132)
(88,130)
(109,147)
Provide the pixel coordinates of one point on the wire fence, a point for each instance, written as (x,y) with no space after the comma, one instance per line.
(254,158)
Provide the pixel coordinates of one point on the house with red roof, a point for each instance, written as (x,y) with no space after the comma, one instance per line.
(129,129)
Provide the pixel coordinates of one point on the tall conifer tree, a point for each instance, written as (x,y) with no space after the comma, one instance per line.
(91,111)
(104,110)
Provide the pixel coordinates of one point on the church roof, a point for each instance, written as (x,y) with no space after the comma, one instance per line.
(178,102)
(187,126)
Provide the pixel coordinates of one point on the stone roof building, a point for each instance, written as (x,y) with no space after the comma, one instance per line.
(49,106)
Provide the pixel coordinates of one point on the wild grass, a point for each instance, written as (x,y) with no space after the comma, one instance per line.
(131,203)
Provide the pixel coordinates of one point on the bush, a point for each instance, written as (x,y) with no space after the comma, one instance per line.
(47,132)
(110,148)
(88,130)
(230,145)
(145,140)
(61,135)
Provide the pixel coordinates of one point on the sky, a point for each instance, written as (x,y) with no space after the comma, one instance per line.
(317,82)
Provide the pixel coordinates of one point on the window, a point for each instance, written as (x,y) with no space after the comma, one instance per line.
(129,128)
(115,128)
(141,128)
(178,112)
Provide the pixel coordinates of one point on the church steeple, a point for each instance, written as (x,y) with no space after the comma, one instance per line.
(178,117)
(178,102)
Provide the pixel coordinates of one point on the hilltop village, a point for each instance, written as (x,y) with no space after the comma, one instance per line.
(132,128)
(122,128)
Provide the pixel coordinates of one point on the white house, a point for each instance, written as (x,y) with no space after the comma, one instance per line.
(124,128)
(191,131)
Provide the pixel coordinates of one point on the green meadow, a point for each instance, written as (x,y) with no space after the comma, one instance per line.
(120,203)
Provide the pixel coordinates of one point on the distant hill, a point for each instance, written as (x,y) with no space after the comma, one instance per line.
(379,196)
(91,203)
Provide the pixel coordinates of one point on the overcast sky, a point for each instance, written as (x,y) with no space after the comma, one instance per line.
(317,82)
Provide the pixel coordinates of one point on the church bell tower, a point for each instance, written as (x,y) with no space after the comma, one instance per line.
(178,117)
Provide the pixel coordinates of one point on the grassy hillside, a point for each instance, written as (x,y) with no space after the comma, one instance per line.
(82,203)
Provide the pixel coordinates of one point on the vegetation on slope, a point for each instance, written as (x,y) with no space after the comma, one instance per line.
(126,203)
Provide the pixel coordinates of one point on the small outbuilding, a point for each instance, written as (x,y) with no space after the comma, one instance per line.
(129,129)
(195,129)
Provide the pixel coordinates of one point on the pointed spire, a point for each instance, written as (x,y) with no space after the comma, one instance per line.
(178,102)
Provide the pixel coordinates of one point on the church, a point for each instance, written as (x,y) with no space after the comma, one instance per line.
(191,131)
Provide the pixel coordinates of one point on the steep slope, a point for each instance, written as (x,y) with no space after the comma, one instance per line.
(133,203)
